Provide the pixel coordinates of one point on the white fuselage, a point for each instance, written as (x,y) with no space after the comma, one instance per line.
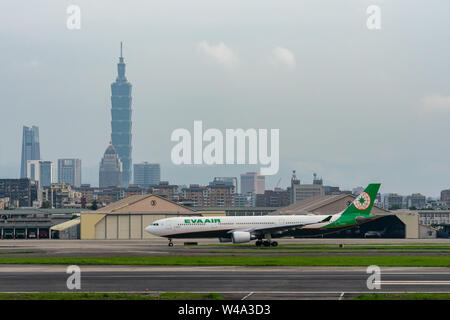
(212,227)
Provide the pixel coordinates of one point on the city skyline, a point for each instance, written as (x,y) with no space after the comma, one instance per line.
(186,67)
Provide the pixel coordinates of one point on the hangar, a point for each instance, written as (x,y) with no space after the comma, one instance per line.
(127,218)
(388,225)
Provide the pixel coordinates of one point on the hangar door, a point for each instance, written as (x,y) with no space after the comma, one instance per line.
(125,226)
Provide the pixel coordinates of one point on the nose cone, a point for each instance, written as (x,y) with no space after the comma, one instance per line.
(149,229)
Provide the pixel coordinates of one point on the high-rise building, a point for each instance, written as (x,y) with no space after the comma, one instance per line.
(305,191)
(245,200)
(121,119)
(273,198)
(332,190)
(300,191)
(225,181)
(61,195)
(220,194)
(69,172)
(47,170)
(393,201)
(33,170)
(165,190)
(146,174)
(40,171)
(21,192)
(30,148)
(317,180)
(445,196)
(110,173)
(196,194)
(253,182)
(416,201)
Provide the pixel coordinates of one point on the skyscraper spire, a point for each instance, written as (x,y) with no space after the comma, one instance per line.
(121,123)
(121,67)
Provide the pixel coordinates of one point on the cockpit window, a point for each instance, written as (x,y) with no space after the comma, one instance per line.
(155,224)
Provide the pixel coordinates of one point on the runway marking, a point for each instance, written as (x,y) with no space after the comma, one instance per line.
(412,282)
(106,252)
(413,273)
(247,296)
(341,296)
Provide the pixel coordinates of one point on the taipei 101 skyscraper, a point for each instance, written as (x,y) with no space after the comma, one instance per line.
(121,119)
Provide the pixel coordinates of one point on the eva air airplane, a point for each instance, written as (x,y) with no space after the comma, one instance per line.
(241,229)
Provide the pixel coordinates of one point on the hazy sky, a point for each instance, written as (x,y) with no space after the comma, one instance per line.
(352,104)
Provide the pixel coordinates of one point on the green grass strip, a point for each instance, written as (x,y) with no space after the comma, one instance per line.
(404,261)
(15,252)
(326,251)
(404,296)
(335,247)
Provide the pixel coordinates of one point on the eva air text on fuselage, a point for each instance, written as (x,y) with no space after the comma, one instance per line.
(202,221)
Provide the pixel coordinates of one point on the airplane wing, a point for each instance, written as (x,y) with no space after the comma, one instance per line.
(278,228)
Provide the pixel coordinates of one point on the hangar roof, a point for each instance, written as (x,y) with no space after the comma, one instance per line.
(147,203)
(323,205)
(67,224)
(29,210)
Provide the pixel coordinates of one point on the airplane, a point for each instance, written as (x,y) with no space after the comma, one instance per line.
(242,229)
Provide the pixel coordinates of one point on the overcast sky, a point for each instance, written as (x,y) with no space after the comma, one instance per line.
(352,104)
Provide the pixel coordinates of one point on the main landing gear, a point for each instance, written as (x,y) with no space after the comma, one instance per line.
(170,243)
(266,243)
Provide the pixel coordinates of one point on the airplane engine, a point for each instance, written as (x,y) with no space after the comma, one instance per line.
(241,236)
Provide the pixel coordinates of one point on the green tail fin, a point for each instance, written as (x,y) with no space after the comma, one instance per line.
(363,204)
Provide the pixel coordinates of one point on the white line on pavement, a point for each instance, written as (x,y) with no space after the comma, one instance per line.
(247,296)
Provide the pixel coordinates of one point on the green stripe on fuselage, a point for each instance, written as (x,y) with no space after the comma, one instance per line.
(201,234)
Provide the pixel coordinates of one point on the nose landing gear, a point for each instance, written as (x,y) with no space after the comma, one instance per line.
(170,243)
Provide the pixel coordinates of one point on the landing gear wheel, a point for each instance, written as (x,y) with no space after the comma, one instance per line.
(258,243)
(170,243)
(274,243)
(266,243)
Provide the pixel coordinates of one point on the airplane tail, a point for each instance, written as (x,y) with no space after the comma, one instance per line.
(363,204)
